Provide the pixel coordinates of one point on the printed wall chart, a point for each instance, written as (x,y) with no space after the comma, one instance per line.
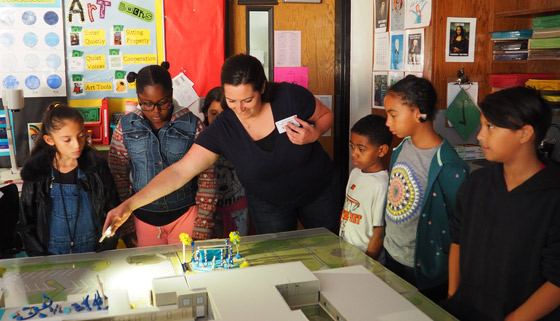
(32,47)
(105,40)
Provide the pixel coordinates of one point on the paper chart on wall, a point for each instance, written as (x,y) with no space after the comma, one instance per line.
(32,47)
(287,48)
(105,41)
(381,51)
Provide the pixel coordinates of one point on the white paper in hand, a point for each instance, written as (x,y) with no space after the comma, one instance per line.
(280,125)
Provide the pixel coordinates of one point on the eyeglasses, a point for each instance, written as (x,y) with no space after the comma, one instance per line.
(163,104)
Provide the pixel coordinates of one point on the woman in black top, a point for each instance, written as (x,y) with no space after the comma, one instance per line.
(285,171)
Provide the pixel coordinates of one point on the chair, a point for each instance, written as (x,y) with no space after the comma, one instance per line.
(10,242)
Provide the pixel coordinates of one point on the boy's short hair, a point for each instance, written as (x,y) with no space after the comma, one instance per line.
(374,128)
(516,107)
(417,92)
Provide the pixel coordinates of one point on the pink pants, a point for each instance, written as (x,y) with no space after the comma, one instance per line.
(149,235)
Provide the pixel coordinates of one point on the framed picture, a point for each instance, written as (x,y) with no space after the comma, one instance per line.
(461,34)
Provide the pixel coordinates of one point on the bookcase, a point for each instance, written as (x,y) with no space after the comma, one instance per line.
(514,15)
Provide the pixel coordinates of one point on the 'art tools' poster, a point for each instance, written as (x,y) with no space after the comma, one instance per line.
(105,40)
(32,47)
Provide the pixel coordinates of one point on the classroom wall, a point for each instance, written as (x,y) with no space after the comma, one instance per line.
(316,23)
(361,59)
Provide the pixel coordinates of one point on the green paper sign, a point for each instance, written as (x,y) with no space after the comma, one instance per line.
(463,114)
(136,11)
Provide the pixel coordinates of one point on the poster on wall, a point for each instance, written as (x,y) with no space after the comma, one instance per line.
(418,13)
(106,40)
(380,86)
(414,60)
(32,47)
(460,46)
(397,15)
(394,77)
(381,15)
(397,50)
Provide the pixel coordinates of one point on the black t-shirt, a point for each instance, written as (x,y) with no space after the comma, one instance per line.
(66,178)
(289,175)
(509,241)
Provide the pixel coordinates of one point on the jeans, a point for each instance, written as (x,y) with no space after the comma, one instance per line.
(322,211)
(63,217)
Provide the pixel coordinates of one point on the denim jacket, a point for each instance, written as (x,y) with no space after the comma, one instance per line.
(149,155)
(136,156)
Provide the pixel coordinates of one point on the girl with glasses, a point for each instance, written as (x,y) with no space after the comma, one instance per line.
(147,141)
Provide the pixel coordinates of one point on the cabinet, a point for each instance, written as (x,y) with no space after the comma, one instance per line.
(514,15)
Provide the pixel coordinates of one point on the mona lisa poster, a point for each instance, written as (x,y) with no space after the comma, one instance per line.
(461,35)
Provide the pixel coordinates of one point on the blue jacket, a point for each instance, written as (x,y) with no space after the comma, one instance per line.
(433,240)
(149,155)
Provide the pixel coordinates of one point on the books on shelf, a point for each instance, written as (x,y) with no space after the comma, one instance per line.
(518,44)
(510,54)
(546,33)
(546,22)
(544,43)
(512,34)
(544,54)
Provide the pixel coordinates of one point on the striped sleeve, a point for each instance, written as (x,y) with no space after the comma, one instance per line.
(206,199)
(119,164)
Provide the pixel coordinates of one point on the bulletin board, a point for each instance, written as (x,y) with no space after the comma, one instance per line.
(105,40)
(32,47)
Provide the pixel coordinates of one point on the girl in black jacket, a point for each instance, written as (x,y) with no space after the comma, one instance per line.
(67,189)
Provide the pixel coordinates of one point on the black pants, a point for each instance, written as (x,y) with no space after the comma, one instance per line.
(436,294)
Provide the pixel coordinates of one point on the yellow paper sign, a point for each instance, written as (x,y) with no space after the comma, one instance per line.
(94,37)
(137,37)
(98,86)
(142,59)
(95,62)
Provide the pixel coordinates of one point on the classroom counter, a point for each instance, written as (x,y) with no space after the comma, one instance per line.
(132,270)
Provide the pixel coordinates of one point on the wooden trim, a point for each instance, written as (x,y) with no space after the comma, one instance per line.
(529,12)
(342,89)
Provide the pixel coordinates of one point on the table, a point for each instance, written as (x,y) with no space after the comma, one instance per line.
(133,269)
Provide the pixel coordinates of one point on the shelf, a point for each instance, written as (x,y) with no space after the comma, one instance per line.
(101,147)
(547,11)
(525,61)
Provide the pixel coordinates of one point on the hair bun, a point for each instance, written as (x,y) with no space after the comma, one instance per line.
(165,65)
(131,77)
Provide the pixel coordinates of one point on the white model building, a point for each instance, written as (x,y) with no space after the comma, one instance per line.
(266,292)
(275,292)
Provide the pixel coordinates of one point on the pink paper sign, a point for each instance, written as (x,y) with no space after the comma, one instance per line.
(296,75)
